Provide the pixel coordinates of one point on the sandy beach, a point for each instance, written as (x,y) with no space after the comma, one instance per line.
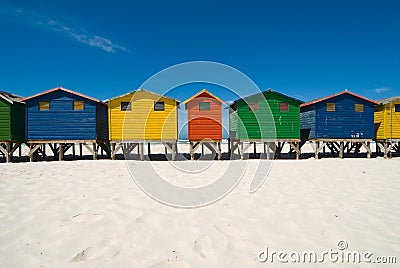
(91,213)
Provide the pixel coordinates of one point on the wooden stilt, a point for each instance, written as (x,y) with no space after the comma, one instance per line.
(8,154)
(60,152)
(229,147)
(73,151)
(255,149)
(341,151)
(266,145)
(94,151)
(219,151)
(141,146)
(191,151)
(113,151)
(80,151)
(148,149)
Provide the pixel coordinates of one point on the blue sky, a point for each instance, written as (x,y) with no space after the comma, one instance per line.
(306,49)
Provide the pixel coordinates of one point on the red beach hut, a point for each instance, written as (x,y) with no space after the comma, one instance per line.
(204,121)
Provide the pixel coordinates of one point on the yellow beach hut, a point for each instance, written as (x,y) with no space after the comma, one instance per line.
(387,125)
(142,116)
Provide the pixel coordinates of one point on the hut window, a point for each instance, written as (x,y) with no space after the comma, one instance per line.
(359,108)
(283,106)
(79,105)
(397,108)
(253,106)
(204,106)
(44,105)
(126,106)
(330,107)
(158,106)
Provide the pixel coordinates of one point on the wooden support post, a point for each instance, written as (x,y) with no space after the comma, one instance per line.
(148,149)
(44,150)
(316,149)
(141,149)
(30,153)
(94,151)
(73,151)
(341,151)
(298,151)
(229,146)
(241,150)
(202,149)
(191,151)
(113,151)
(60,152)
(368,145)
(266,145)
(80,151)
(176,149)
(8,154)
(20,151)
(219,150)
(255,149)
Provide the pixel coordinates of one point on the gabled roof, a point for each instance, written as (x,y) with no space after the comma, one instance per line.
(335,95)
(388,100)
(120,96)
(266,91)
(10,98)
(65,90)
(206,92)
(141,90)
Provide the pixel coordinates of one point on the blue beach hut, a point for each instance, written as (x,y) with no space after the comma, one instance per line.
(343,121)
(64,117)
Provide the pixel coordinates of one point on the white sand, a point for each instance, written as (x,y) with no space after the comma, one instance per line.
(91,213)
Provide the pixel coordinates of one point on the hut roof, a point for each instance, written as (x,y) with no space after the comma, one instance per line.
(65,90)
(139,90)
(266,91)
(335,95)
(201,92)
(10,98)
(388,100)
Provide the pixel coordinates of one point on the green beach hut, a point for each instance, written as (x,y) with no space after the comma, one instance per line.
(12,123)
(269,117)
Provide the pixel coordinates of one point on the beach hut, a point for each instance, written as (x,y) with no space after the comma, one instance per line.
(62,118)
(387,125)
(12,124)
(343,121)
(204,122)
(269,117)
(142,116)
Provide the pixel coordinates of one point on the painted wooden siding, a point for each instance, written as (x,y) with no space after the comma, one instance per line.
(268,122)
(102,122)
(18,121)
(142,122)
(204,124)
(5,133)
(379,122)
(345,123)
(307,122)
(61,122)
(233,122)
(383,127)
